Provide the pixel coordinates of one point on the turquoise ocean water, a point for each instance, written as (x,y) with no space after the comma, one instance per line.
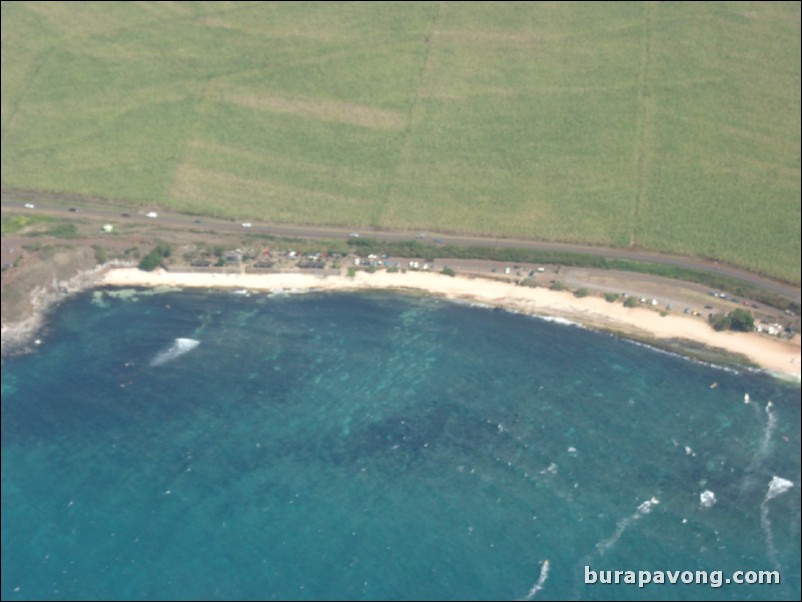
(376,446)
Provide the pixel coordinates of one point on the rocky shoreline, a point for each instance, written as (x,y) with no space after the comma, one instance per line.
(18,337)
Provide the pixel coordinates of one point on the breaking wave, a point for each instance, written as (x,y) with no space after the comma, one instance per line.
(179,347)
(643,509)
(544,574)
(777,486)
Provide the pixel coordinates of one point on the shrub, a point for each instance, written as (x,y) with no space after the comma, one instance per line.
(100,254)
(631,302)
(557,286)
(581,292)
(611,297)
(720,322)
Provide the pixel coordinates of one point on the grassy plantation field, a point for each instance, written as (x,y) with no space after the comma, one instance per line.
(670,126)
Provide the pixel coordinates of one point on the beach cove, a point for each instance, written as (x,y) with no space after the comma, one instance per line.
(168,442)
(776,356)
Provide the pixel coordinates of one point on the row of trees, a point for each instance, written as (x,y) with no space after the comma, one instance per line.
(417,248)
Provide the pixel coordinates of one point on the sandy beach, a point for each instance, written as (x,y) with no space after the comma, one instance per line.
(774,355)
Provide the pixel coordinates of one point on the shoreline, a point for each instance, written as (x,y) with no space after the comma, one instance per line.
(20,336)
(777,357)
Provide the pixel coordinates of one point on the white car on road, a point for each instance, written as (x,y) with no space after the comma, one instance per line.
(246,224)
(29,205)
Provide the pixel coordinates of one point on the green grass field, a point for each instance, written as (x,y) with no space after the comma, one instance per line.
(671,126)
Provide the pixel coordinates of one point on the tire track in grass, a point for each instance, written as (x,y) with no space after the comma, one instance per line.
(33,73)
(643,124)
(413,117)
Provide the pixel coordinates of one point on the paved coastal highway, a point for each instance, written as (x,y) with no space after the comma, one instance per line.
(95,210)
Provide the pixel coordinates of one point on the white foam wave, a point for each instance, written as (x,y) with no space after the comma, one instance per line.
(179,347)
(514,311)
(562,321)
(286,292)
(642,510)
(707,499)
(472,303)
(777,486)
(541,580)
(771,425)
(693,360)
(763,450)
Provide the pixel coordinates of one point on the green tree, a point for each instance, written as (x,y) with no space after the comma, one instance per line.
(742,320)
(150,261)
(720,322)
(154,259)
(738,319)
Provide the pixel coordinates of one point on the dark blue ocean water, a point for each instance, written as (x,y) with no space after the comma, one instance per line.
(379,446)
